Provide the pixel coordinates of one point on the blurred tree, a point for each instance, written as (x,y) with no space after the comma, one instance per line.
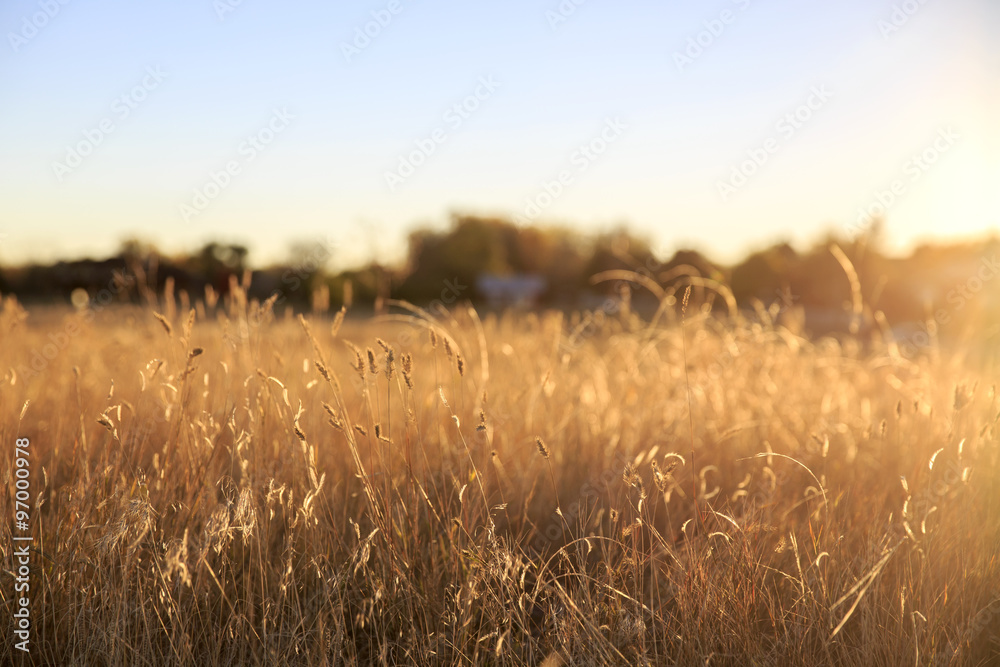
(558,254)
(216,262)
(472,246)
(306,263)
(764,274)
(215,256)
(134,249)
(619,249)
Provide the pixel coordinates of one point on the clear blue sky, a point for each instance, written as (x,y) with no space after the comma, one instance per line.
(676,133)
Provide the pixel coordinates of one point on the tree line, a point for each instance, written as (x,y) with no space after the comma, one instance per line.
(934,282)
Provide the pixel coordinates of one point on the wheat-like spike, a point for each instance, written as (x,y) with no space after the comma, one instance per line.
(189,325)
(338,321)
(408,370)
(542,449)
(390,358)
(165,322)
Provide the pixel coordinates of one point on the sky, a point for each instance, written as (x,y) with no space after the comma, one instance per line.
(724,126)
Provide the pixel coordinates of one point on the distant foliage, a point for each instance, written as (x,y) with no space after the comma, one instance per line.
(934,283)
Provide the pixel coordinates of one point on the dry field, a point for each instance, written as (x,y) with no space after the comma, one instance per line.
(229,486)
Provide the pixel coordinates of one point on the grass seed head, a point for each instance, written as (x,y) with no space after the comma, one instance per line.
(630,476)
(542,449)
(408,370)
(359,364)
(165,322)
(106,423)
(338,320)
(661,480)
(390,358)
(685,300)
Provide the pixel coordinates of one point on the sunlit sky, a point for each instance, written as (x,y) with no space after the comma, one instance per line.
(183,85)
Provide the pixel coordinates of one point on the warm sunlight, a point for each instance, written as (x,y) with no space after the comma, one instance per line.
(553,332)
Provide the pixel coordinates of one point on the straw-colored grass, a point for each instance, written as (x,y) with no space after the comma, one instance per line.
(230,487)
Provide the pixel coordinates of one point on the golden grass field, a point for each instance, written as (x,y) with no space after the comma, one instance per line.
(232,486)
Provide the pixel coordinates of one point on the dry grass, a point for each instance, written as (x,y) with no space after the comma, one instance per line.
(230,488)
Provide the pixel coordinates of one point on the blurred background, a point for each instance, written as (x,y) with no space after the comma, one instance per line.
(504,153)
